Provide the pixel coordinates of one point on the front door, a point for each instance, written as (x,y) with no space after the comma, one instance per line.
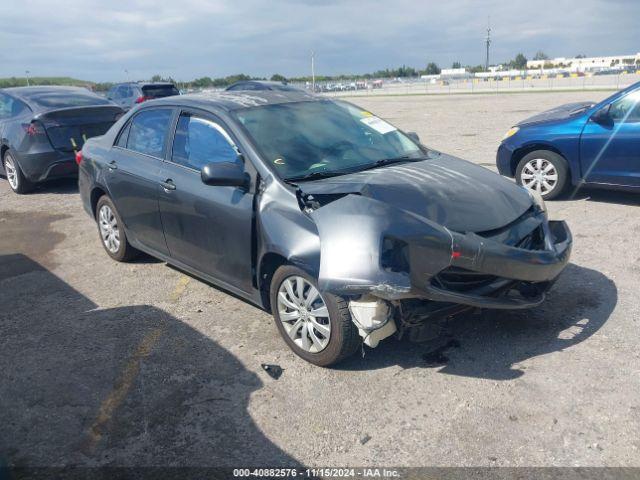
(207,227)
(610,150)
(133,176)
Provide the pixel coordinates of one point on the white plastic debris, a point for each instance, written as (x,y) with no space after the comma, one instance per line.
(372,316)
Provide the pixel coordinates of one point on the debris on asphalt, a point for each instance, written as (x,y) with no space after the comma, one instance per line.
(437,358)
(274,371)
(365,439)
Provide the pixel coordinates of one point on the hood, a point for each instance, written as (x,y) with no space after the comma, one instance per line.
(559,113)
(446,190)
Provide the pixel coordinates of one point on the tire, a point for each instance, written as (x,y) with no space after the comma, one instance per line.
(112,235)
(17,181)
(552,167)
(343,339)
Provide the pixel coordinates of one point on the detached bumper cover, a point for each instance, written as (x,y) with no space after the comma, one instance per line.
(510,268)
(528,272)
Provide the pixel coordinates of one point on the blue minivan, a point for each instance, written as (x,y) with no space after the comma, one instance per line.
(590,144)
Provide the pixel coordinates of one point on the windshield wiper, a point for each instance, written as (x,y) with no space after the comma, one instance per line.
(388,161)
(379,163)
(314,176)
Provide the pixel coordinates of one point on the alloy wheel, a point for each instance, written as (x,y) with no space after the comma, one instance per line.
(304,314)
(540,175)
(11,171)
(109,230)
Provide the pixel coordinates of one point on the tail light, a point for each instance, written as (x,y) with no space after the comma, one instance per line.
(33,129)
(79,157)
(141,99)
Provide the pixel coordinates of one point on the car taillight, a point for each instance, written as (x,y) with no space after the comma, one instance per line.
(79,157)
(141,99)
(34,128)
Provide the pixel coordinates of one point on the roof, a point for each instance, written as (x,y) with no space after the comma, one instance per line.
(236,100)
(146,84)
(28,92)
(53,97)
(263,84)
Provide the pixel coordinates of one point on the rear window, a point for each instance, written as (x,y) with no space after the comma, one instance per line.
(159,91)
(68,99)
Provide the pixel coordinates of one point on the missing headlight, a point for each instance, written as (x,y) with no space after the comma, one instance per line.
(395,255)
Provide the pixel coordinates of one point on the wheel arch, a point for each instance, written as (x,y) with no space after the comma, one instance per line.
(3,149)
(96,192)
(269,263)
(520,153)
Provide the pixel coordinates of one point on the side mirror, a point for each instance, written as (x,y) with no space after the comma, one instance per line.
(413,136)
(224,174)
(603,116)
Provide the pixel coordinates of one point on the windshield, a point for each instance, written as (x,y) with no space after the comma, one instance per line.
(323,138)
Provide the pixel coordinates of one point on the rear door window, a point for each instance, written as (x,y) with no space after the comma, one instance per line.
(148,132)
(199,141)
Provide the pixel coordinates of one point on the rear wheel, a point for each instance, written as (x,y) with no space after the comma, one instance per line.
(112,234)
(544,172)
(17,181)
(317,327)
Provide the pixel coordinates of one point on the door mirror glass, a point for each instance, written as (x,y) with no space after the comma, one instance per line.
(224,174)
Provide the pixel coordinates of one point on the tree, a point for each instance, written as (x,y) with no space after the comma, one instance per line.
(456,65)
(520,62)
(540,55)
(432,69)
(276,77)
(156,78)
(581,55)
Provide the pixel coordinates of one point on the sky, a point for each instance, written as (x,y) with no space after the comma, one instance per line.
(116,40)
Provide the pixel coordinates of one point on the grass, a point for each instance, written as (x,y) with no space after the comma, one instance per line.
(22,81)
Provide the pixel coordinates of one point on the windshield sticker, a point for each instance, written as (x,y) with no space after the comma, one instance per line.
(378,125)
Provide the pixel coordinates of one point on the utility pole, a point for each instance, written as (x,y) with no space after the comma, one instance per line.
(488,44)
(313,73)
(27,72)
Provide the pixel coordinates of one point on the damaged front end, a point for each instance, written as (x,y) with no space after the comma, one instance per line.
(401,270)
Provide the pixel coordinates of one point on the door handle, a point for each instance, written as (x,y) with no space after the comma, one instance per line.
(168,185)
(113,165)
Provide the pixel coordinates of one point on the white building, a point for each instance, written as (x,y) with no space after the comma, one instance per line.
(586,64)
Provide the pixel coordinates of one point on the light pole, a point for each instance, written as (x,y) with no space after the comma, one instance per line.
(27,72)
(313,72)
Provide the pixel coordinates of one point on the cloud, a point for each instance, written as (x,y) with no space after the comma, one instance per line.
(99,40)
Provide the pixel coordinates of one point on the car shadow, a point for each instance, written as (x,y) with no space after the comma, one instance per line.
(494,343)
(126,386)
(61,186)
(606,196)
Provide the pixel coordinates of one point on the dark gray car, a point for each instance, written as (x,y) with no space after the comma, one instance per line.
(42,127)
(128,95)
(344,227)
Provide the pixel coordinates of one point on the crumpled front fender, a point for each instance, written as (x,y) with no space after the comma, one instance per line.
(352,230)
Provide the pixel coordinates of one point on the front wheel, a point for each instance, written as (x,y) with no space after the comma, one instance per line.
(17,181)
(544,172)
(111,230)
(317,327)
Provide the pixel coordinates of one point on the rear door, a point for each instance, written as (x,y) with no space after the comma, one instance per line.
(133,176)
(610,151)
(206,227)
